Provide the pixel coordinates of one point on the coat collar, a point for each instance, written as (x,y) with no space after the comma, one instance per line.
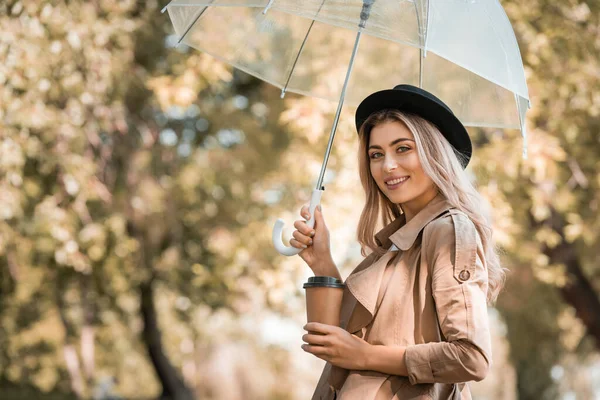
(364,284)
(403,234)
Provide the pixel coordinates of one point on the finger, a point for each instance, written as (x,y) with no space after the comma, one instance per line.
(318,351)
(318,327)
(304,229)
(319,216)
(297,244)
(317,340)
(304,212)
(302,238)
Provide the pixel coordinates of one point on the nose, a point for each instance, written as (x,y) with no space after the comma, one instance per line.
(389,164)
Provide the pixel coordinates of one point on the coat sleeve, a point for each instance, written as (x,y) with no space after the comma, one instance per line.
(459,282)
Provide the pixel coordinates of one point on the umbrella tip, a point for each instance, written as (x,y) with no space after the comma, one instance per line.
(267,7)
(282,93)
(164,9)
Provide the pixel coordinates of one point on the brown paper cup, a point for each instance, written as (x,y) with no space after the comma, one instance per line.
(324,299)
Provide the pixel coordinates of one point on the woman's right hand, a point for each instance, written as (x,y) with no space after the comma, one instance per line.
(314,242)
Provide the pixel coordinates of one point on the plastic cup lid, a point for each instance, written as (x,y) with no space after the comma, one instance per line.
(324,281)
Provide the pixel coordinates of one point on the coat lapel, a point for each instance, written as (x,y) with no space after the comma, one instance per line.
(365,281)
(364,286)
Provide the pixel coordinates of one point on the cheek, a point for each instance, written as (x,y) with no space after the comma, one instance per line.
(422,178)
(377,174)
(425,181)
(414,165)
(373,171)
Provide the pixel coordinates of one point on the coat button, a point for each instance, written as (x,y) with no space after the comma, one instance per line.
(464,275)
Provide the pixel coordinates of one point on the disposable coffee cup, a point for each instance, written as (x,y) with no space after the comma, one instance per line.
(324,299)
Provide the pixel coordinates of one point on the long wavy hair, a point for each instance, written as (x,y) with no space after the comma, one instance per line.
(444,165)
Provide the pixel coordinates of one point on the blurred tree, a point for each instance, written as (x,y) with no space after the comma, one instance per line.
(547,206)
(136,179)
(125,171)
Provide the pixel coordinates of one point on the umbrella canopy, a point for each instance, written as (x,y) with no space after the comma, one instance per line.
(463,51)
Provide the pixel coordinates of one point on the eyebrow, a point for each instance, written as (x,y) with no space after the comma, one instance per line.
(391,144)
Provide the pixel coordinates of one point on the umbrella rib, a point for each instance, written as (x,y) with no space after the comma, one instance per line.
(268,6)
(523,126)
(427,27)
(300,52)
(421,44)
(192,24)
(296,60)
(519,109)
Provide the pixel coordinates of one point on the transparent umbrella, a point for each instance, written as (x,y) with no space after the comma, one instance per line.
(463,51)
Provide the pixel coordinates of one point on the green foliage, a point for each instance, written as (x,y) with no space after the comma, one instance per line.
(550,200)
(125,162)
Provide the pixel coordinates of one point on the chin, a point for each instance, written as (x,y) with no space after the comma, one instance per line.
(398,198)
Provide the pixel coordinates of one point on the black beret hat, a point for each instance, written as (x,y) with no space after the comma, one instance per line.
(422,103)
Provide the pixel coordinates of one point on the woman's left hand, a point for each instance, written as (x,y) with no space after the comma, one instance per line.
(335,345)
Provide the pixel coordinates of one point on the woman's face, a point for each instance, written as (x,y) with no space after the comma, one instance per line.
(396,167)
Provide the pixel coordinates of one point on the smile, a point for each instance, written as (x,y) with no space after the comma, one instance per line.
(396,182)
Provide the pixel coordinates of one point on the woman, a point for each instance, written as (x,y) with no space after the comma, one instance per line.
(414,321)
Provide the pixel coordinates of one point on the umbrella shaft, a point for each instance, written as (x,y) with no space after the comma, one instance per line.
(337,113)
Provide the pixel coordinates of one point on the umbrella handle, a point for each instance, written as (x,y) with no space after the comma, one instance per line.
(279,224)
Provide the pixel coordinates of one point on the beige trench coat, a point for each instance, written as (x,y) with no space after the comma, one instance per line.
(429,296)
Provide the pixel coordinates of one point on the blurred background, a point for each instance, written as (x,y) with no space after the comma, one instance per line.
(140,180)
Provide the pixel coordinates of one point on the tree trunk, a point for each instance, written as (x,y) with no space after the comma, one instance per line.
(7,289)
(173,386)
(578,291)
(88,332)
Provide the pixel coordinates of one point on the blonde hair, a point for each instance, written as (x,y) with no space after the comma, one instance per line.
(444,165)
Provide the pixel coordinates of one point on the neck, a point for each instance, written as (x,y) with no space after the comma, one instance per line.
(414,206)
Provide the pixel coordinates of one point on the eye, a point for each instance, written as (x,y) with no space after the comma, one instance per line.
(403,149)
(372,156)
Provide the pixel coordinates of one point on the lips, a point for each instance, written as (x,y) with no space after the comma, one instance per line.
(396,182)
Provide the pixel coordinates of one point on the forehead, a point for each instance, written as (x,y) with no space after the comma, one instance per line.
(385,133)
